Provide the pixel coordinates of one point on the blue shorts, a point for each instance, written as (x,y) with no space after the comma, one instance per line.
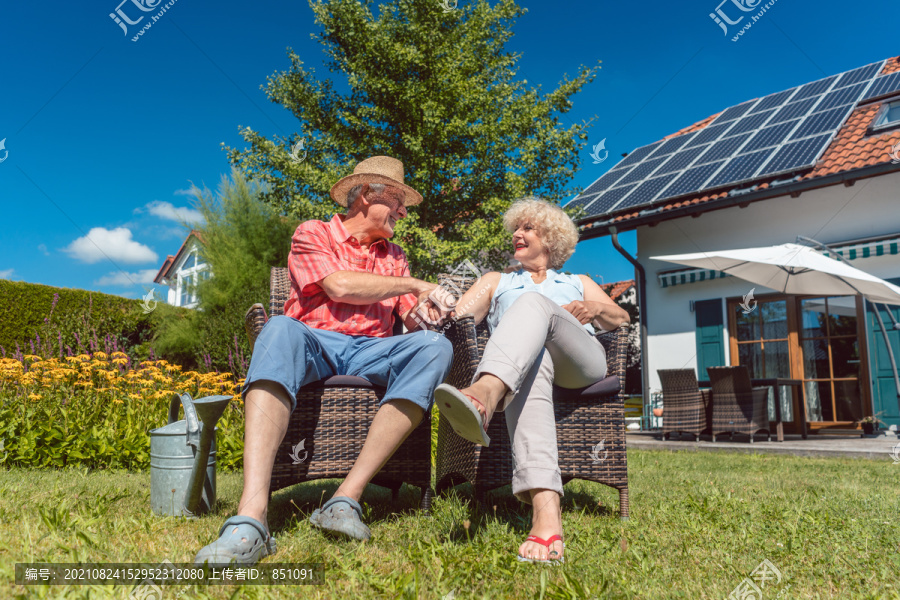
(294,354)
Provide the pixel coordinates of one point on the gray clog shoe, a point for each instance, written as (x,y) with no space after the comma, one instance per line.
(242,541)
(341,516)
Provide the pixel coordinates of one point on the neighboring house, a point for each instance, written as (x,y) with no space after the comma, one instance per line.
(621,291)
(183,271)
(821,160)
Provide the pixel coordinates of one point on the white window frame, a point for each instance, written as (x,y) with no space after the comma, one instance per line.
(194,274)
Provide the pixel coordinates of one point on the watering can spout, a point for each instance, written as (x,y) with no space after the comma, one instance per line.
(208,411)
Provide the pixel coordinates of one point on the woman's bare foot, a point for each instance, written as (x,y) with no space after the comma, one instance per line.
(546,521)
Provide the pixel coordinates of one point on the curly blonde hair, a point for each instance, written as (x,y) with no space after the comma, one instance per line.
(556,230)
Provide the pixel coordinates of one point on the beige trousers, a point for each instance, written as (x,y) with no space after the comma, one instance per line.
(537,344)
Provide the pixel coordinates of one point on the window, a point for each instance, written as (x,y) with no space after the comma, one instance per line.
(888,118)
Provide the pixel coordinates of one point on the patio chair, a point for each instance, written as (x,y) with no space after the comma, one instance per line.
(332,420)
(737,406)
(590,422)
(684,404)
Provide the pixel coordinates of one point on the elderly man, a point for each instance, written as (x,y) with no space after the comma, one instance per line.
(347,281)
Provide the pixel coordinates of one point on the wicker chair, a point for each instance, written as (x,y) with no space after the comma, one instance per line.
(589,422)
(737,406)
(684,404)
(332,418)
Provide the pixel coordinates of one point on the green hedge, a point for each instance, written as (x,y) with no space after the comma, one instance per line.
(79,319)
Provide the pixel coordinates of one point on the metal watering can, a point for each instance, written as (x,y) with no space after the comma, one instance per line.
(183,457)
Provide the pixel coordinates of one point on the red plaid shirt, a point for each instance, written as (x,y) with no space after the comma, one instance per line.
(319,249)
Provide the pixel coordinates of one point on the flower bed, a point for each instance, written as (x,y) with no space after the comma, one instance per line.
(97,409)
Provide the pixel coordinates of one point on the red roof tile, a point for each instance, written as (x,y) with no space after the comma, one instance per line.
(616,289)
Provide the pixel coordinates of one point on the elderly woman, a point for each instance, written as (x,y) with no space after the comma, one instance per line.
(541,323)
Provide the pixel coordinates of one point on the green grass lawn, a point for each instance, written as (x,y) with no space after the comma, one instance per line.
(700,524)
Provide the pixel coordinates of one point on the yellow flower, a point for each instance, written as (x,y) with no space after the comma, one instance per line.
(117,401)
(34,396)
(101,355)
(32,357)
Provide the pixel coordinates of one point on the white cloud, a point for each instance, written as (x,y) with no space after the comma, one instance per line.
(166,210)
(6,274)
(144,276)
(43,249)
(115,244)
(191,192)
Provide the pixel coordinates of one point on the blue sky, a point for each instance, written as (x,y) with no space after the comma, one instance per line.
(105,135)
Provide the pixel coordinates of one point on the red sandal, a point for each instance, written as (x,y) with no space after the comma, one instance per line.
(546,543)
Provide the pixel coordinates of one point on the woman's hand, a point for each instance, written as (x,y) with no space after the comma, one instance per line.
(582,310)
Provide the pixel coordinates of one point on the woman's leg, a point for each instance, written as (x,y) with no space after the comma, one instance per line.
(536,475)
(533,323)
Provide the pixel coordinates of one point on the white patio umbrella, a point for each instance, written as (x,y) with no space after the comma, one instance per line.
(796,269)
(792,269)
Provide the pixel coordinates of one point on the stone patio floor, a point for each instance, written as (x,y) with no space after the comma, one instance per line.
(883,447)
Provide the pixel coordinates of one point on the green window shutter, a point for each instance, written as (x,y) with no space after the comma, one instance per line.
(710,329)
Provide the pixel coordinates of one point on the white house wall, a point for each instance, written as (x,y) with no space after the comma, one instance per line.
(837,213)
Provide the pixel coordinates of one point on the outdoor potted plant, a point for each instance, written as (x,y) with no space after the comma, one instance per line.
(870,424)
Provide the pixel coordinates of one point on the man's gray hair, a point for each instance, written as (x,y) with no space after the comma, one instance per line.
(355,191)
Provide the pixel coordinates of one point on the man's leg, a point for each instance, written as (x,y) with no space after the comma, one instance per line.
(410,366)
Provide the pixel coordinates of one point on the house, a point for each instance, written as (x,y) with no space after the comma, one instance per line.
(621,291)
(183,271)
(820,160)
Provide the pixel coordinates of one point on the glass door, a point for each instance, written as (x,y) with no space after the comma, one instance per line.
(831,359)
(762,345)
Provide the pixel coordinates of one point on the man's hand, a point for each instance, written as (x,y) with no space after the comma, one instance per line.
(435,305)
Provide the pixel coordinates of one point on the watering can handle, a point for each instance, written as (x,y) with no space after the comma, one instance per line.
(190,415)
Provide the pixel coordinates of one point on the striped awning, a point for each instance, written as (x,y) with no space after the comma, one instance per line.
(886,247)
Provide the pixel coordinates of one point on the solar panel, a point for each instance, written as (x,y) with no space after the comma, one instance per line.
(638,155)
(779,133)
(856,75)
(672,144)
(680,160)
(741,167)
(772,101)
(643,170)
(796,155)
(886,84)
(723,148)
(691,180)
(709,134)
(815,88)
(822,121)
(735,111)
(751,123)
(605,182)
(793,110)
(646,192)
(770,136)
(847,95)
(608,200)
(582,200)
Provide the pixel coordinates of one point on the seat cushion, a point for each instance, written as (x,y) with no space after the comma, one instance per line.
(604,387)
(345,381)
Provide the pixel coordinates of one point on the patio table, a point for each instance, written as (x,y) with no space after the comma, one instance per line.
(777,382)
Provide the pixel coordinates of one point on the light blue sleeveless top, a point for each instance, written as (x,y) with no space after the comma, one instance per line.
(559,287)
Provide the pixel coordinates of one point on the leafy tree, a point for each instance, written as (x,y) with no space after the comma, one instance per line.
(436,90)
(242,239)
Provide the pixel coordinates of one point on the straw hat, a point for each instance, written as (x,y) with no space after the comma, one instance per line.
(377,169)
